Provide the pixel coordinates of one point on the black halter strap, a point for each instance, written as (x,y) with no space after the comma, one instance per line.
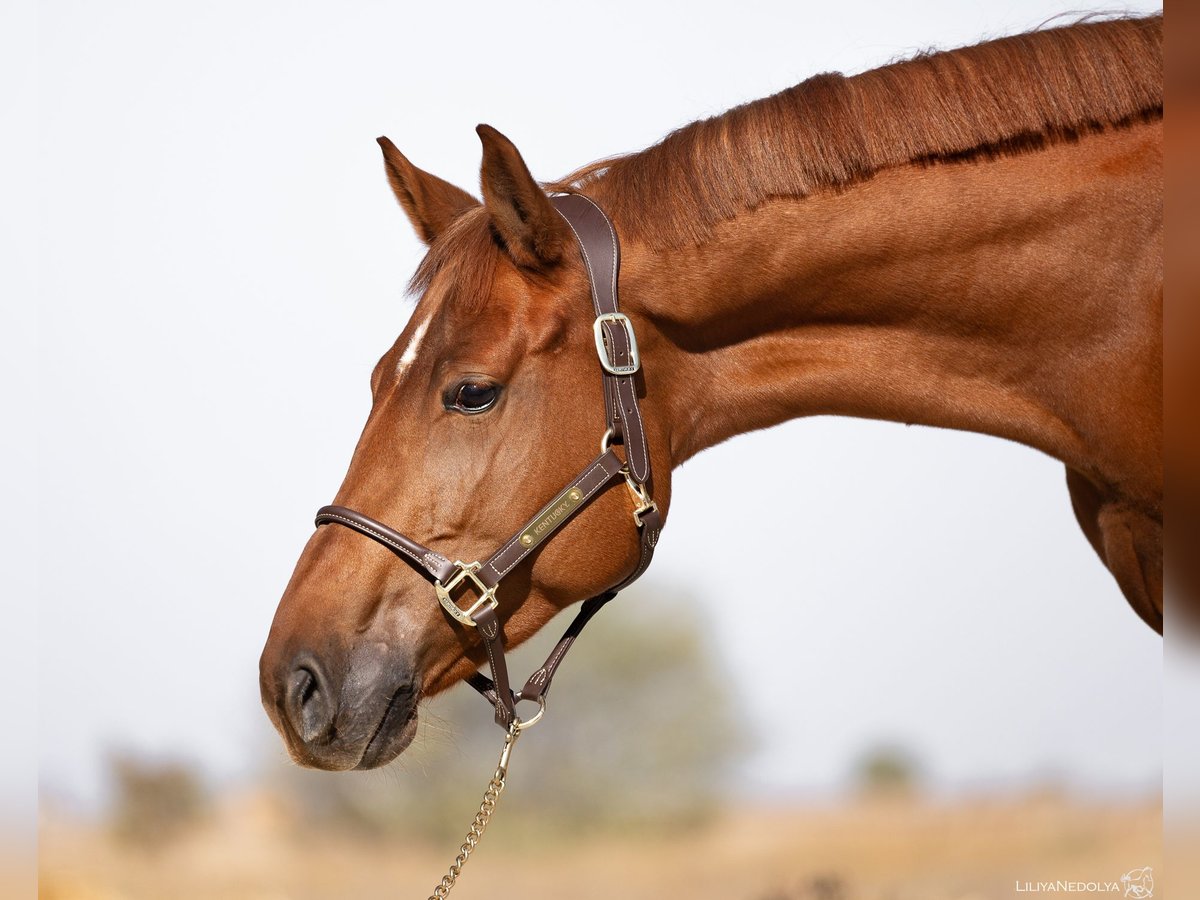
(616,347)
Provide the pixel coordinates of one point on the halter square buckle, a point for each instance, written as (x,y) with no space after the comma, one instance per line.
(465,571)
(606,362)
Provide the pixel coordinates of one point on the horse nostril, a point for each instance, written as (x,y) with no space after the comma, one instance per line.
(309,703)
(308,687)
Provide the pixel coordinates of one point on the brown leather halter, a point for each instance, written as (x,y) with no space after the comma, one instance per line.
(616,347)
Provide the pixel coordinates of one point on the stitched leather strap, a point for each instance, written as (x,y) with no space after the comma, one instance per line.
(429,561)
(652,523)
(601,253)
(539,682)
(493,642)
(551,517)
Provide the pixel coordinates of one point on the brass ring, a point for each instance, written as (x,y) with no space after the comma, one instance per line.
(520,725)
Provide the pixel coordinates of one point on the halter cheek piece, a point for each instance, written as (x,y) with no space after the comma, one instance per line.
(616,347)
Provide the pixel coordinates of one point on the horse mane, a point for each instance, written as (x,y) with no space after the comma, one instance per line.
(1005,96)
(1010,95)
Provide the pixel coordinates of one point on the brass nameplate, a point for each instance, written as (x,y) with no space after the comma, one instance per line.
(553,515)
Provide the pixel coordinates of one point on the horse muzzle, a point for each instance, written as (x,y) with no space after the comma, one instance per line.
(356,710)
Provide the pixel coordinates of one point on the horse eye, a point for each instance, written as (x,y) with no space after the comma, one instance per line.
(474,397)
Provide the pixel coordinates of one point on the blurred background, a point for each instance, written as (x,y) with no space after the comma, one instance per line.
(967,704)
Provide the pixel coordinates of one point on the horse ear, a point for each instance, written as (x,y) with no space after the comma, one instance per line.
(431,204)
(531,228)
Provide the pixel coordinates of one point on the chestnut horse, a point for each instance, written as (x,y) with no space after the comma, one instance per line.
(969,239)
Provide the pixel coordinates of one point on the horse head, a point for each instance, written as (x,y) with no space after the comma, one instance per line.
(487,403)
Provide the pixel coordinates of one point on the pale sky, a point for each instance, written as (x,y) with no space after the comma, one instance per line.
(222,263)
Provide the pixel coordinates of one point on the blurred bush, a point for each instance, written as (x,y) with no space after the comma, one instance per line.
(640,733)
(153,802)
(887,771)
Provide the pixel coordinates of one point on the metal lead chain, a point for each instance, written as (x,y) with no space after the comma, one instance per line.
(479,823)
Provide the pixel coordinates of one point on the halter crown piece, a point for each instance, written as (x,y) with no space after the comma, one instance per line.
(616,347)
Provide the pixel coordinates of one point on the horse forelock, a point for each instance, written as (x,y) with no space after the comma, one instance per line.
(463,259)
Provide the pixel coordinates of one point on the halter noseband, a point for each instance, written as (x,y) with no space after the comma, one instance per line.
(616,347)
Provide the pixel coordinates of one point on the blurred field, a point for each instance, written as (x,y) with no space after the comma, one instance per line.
(895,848)
(592,812)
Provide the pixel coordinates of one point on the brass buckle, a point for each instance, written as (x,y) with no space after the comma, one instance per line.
(644,503)
(465,571)
(641,498)
(606,362)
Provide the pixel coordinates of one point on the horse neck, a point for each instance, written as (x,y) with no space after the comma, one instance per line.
(964,295)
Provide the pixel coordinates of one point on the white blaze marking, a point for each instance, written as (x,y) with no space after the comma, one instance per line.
(410,352)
